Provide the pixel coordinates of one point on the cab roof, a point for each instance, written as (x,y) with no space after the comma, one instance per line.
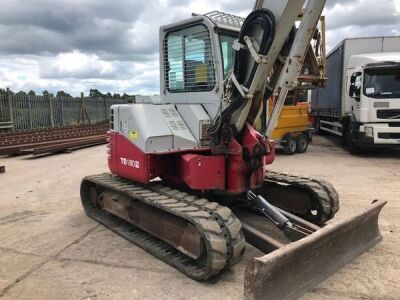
(225,20)
(373,58)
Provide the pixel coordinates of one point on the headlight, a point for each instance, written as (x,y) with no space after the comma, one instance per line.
(369,132)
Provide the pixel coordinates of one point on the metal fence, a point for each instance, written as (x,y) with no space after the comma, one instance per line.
(20,112)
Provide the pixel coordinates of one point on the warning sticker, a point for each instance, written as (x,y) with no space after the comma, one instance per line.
(133,135)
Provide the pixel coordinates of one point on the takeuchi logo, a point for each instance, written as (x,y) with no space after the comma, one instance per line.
(130,163)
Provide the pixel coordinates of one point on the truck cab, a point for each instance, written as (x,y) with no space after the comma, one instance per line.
(372,101)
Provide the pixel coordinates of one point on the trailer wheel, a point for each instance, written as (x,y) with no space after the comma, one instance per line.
(290,145)
(302,143)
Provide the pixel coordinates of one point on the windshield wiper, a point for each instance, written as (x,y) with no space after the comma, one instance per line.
(383,94)
(394,117)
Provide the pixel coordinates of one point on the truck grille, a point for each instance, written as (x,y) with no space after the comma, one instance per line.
(388,136)
(388,114)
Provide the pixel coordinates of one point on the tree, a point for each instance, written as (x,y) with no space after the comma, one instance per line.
(63,94)
(31,93)
(95,93)
(46,93)
(5,91)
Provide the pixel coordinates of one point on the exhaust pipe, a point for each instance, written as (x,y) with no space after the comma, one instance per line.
(295,268)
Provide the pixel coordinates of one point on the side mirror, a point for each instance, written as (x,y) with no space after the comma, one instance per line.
(355,89)
(351,90)
(357,93)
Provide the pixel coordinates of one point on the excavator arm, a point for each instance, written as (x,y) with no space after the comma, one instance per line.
(261,67)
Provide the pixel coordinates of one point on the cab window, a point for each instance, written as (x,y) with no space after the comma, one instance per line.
(355,85)
(189,64)
(227,52)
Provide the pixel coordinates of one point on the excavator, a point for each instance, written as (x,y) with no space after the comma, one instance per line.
(188,178)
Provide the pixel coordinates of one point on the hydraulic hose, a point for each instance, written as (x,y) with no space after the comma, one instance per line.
(264,20)
(261,19)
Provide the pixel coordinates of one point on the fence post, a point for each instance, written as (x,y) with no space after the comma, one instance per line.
(83,111)
(105,109)
(81,114)
(51,114)
(30,111)
(97,108)
(62,111)
(11,109)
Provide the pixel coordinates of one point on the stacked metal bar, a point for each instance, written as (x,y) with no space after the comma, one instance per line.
(51,140)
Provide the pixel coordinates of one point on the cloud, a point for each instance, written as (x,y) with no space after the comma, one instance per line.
(362,13)
(76,45)
(27,73)
(361,18)
(78,65)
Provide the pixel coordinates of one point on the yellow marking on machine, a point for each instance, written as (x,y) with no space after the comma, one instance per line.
(133,135)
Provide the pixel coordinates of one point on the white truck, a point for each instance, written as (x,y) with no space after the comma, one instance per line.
(361,102)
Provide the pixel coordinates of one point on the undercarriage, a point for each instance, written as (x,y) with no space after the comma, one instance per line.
(188,231)
(201,238)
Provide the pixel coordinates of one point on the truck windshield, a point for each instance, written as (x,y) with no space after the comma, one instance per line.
(382,83)
(227,52)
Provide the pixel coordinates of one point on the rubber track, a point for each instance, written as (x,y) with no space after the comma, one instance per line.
(219,227)
(321,190)
(229,223)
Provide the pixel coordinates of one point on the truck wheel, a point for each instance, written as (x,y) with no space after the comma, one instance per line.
(290,145)
(351,146)
(318,126)
(302,143)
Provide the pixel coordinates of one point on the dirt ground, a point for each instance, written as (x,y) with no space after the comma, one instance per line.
(50,250)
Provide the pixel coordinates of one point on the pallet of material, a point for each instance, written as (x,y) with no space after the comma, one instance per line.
(66,146)
(37,136)
(19,149)
(52,140)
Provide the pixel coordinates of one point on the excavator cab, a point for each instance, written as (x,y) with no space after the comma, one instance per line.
(196,58)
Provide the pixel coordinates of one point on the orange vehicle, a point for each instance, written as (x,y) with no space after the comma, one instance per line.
(294,131)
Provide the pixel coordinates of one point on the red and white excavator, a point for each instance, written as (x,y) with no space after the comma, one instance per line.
(189,180)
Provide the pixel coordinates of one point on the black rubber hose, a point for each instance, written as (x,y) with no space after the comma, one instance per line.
(264,19)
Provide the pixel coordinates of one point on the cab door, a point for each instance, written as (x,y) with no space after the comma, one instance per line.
(353,92)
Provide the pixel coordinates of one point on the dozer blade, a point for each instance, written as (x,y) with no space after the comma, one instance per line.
(295,268)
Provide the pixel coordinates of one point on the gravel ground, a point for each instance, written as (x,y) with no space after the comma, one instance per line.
(50,250)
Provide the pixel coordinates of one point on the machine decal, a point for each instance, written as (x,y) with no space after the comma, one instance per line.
(130,163)
(125,128)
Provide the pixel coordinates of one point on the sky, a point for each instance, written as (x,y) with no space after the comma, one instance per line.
(112,46)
